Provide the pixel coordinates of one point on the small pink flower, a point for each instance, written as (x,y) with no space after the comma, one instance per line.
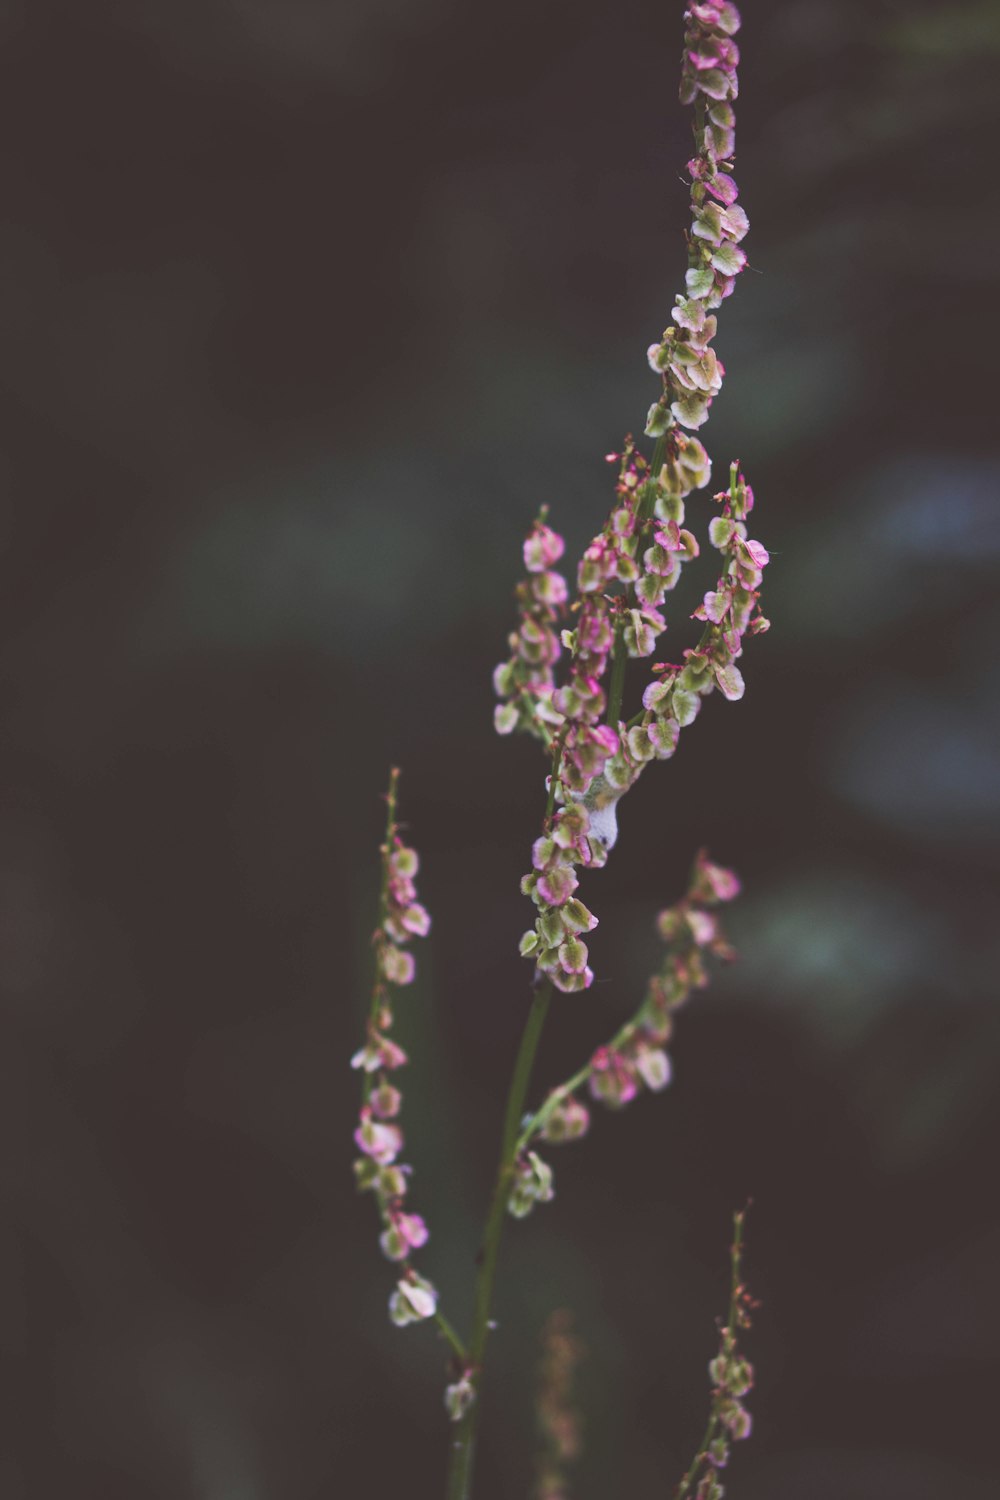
(663,736)
(653,1065)
(413,1229)
(544,853)
(404,862)
(378,1052)
(557,884)
(551,589)
(532,1184)
(612,1080)
(382,1143)
(723,884)
(572,984)
(386,1101)
(391,1055)
(398,966)
(758,553)
(415,919)
(573,955)
(414,1298)
(542,548)
(715,606)
(568,1121)
(704,927)
(730,680)
(405,1232)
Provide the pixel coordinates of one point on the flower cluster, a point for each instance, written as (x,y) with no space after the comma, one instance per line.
(642,550)
(692,375)
(729,611)
(628,569)
(532,1183)
(555,942)
(732,1377)
(526,681)
(636,1055)
(564,683)
(378,1136)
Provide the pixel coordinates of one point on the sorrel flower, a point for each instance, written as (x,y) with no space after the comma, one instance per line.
(564,682)
(627,571)
(692,375)
(401,917)
(732,1377)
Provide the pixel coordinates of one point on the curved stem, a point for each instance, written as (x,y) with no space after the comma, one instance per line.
(463,1448)
(451,1337)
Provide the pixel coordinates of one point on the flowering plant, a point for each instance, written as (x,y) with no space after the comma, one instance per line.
(563,683)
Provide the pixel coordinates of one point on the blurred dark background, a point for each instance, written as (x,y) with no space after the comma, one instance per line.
(306,306)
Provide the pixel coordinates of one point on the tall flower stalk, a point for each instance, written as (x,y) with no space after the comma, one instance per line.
(564,683)
(732,1378)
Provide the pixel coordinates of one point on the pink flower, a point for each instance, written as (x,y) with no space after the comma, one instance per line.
(378,1052)
(415,919)
(612,1078)
(704,927)
(715,881)
(542,548)
(653,1066)
(567,1121)
(405,1232)
(415,1298)
(382,1143)
(398,967)
(557,884)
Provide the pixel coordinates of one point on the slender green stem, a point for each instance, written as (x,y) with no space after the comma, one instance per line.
(655,465)
(685,1485)
(458,1348)
(463,1447)
(515,1138)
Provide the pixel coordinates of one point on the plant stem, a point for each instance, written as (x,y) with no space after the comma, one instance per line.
(516,1138)
(538,1120)
(656,462)
(463,1448)
(458,1348)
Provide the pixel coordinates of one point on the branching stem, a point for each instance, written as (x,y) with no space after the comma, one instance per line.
(463,1447)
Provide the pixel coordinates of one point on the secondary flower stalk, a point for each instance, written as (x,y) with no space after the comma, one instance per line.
(732,1378)
(379,1137)
(635,1057)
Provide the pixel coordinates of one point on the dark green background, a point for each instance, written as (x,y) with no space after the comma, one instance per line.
(305,308)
